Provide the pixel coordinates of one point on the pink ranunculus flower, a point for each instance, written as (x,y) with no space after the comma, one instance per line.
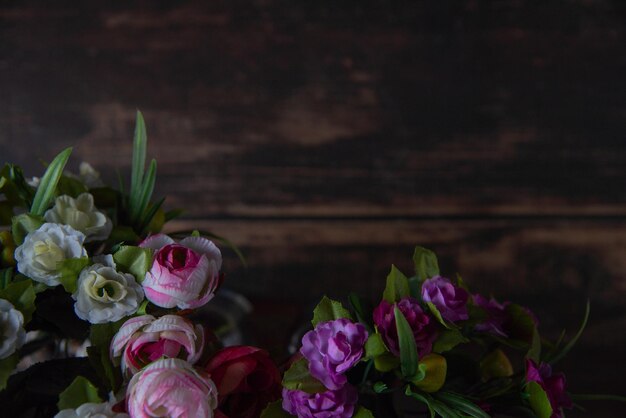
(145,339)
(184,274)
(171,388)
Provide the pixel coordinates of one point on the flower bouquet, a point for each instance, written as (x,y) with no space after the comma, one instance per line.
(429,348)
(89,283)
(99,318)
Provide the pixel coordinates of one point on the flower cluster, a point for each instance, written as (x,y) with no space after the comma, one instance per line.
(430,340)
(69,242)
(74,241)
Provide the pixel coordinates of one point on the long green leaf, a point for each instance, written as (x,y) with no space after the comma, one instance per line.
(462,404)
(408,349)
(140,142)
(145,193)
(149,214)
(573,341)
(49,181)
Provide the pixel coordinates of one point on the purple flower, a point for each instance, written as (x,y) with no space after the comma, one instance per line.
(421,324)
(332,348)
(552,384)
(449,299)
(338,403)
(496,316)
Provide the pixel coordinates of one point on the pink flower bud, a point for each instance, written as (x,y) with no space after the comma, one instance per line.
(185,275)
(144,339)
(171,388)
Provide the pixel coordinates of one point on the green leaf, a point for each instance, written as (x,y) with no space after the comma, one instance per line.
(374,346)
(147,188)
(22,297)
(521,324)
(433,309)
(47,186)
(70,186)
(380,387)
(70,270)
(122,233)
(573,341)
(7,366)
(328,310)
(275,410)
(397,286)
(134,260)
(539,401)
(534,352)
(426,399)
(22,224)
(408,349)
(386,362)
(298,377)
(150,221)
(448,339)
(359,312)
(80,391)
(363,413)
(6,213)
(140,143)
(462,404)
(6,275)
(426,265)
(100,336)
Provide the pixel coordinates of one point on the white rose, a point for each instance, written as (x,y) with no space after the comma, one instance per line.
(12,334)
(105,295)
(91,410)
(82,215)
(43,249)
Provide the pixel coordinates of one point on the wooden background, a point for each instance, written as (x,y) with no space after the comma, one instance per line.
(327,138)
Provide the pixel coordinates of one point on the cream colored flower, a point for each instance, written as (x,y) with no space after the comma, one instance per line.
(12,334)
(45,248)
(105,295)
(91,410)
(82,215)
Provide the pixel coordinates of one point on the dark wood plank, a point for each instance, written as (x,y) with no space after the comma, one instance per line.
(287,109)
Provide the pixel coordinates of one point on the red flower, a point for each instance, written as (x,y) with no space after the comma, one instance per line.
(246,379)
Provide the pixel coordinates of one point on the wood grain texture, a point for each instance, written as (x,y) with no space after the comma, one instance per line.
(328,138)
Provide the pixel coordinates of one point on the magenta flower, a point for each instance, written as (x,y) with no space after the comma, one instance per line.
(450,300)
(332,348)
(496,316)
(144,339)
(331,404)
(185,275)
(422,325)
(552,384)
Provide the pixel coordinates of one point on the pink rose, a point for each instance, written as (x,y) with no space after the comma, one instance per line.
(171,388)
(247,381)
(185,275)
(144,339)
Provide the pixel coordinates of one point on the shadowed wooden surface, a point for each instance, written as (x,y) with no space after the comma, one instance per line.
(327,139)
